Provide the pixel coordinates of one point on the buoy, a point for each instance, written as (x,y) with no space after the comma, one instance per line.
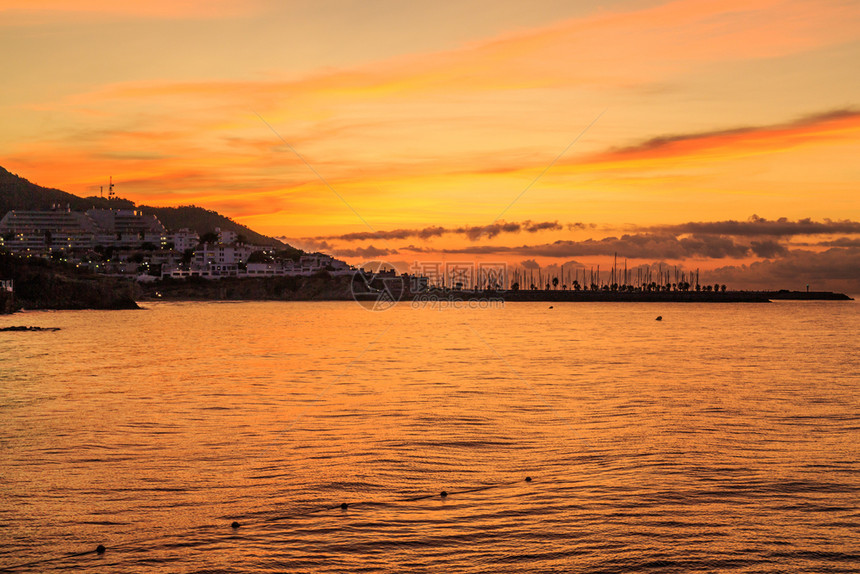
(528,479)
(234,525)
(659,317)
(443,494)
(343,506)
(100,549)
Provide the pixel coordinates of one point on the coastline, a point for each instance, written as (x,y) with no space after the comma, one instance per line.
(325,288)
(39,284)
(47,287)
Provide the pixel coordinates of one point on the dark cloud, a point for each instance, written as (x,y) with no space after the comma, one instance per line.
(837,269)
(806,121)
(759,226)
(843,242)
(636,246)
(425,233)
(488,231)
(753,227)
(307,244)
(663,141)
(369,252)
(713,240)
(768,248)
(713,247)
(473,232)
(832,263)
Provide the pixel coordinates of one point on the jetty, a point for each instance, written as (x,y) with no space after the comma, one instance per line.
(609,296)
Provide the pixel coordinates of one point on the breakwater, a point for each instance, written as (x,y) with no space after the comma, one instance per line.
(638,296)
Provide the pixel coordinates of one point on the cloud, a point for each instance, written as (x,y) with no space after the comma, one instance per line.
(425,233)
(834,269)
(472,232)
(734,142)
(307,244)
(580,226)
(759,226)
(369,252)
(810,121)
(24,11)
(768,248)
(841,242)
(434,106)
(633,246)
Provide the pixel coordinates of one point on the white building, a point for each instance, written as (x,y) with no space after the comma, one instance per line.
(127,228)
(310,264)
(226,236)
(221,260)
(184,239)
(42,232)
(273,269)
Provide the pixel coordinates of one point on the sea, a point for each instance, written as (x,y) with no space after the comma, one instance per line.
(522,437)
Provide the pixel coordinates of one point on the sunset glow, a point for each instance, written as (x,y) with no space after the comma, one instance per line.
(667,113)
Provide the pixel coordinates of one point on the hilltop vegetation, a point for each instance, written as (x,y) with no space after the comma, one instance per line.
(19,193)
(205,221)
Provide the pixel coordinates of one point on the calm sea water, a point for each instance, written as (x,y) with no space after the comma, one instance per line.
(724,438)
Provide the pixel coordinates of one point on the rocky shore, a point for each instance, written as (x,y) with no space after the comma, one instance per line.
(41,284)
(319,287)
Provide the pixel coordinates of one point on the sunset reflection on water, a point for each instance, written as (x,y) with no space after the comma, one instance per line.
(722,438)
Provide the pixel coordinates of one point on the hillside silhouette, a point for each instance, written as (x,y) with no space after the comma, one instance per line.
(19,193)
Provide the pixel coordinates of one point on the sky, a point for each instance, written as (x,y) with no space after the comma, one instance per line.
(718,135)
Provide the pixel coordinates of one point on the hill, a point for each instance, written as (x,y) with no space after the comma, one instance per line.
(205,221)
(19,193)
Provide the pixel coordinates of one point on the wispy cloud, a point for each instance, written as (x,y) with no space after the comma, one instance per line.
(734,142)
(425,132)
(21,11)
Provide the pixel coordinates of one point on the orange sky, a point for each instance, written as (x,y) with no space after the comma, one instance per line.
(441,115)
